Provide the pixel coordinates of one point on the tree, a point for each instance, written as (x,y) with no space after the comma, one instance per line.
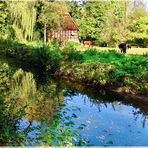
(91,20)
(23,17)
(115,28)
(138,27)
(102,22)
(3,17)
(139,32)
(51,15)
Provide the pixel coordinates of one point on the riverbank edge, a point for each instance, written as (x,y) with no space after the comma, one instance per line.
(114,88)
(118,90)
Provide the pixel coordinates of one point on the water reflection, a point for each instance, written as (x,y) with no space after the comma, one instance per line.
(47,101)
(110,119)
(100,97)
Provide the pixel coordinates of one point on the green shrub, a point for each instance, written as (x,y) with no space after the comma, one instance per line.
(9,123)
(92,72)
(4,76)
(71,54)
(51,58)
(47,58)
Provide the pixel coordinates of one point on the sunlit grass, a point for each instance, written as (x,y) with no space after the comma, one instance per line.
(138,51)
(81,47)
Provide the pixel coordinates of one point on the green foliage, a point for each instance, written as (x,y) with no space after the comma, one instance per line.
(109,67)
(51,14)
(97,73)
(92,21)
(23,17)
(58,132)
(71,62)
(104,23)
(15,49)
(139,32)
(130,70)
(101,22)
(47,57)
(24,85)
(3,17)
(70,53)
(8,123)
(109,22)
(4,77)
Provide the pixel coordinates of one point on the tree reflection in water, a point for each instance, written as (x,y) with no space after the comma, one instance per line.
(103,98)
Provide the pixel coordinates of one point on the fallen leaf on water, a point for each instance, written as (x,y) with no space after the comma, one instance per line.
(88,121)
(101,137)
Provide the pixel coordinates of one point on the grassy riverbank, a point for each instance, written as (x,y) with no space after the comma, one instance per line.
(129,73)
(109,68)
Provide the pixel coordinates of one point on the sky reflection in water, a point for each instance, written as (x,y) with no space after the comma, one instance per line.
(110,122)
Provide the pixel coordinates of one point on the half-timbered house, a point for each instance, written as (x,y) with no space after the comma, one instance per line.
(69,31)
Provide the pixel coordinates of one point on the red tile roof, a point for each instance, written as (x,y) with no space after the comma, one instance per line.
(69,23)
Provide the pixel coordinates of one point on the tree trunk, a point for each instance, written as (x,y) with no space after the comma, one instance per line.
(45,34)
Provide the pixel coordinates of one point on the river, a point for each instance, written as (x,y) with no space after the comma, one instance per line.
(108,118)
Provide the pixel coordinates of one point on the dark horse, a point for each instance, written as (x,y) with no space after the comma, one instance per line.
(123,47)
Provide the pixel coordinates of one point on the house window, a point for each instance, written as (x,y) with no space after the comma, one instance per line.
(72,33)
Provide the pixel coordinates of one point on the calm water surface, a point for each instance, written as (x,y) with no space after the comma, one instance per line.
(120,123)
(109,119)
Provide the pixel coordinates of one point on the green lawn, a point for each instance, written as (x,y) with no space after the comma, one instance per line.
(138,51)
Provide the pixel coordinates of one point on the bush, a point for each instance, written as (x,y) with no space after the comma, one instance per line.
(47,58)
(4,77)
(97,73)
(51,58)
(8,123)
(71,54)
